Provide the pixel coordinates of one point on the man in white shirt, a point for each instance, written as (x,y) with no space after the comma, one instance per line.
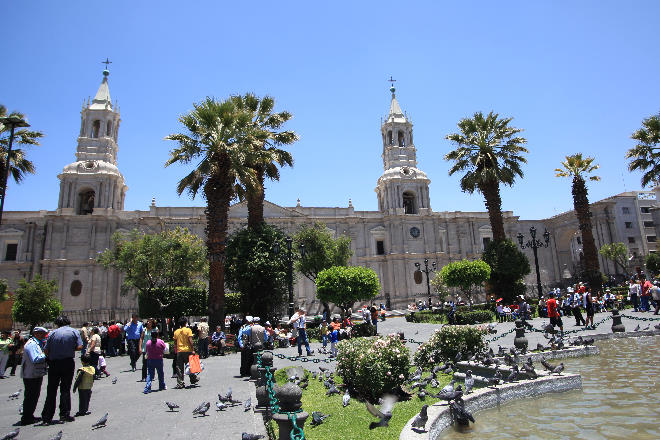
(299,323)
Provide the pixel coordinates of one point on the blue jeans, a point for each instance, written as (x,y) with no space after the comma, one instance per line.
(155,364)
(644,307)
(325,340)
(302,338)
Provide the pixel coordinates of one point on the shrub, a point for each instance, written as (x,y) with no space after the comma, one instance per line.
(446,342)
(474,317)
(363,329)
(428,317)
(313,333)
(373,366)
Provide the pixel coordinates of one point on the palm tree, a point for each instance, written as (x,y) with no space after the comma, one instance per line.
(578,168)
(646,154)
(20,165)
(490,152)
(216,137)
(267,139)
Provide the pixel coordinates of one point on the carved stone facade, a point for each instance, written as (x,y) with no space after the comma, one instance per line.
(63,244)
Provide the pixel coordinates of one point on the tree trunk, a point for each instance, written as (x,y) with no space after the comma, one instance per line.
(583,213)
(218,192)
(255,200)
(491,192)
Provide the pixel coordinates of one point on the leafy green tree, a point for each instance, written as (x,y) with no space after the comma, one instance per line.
(253,270)
(440,288)
(618,253)
(322,251)
(646,154)
(266,138)
(216,137)
(182,301)
(344,286)
(465,275)
(508,265)
(577,168)
(35,302)
(653,264)
(157,264)
(490,152)
(19,164)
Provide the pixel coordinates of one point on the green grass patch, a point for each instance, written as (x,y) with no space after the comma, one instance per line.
(353,421)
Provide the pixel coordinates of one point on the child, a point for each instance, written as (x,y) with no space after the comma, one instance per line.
(84,382)
(334,337)
(324,334)
(102,367)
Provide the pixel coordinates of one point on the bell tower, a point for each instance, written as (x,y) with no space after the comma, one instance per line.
(93,184)
(403,188)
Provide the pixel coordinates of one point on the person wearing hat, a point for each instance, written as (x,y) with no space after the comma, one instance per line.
(256,337)
(33,370)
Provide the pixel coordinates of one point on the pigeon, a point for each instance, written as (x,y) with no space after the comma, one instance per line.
(384,413)
(458,393)
(421,394)
(421,418)
(589,341)
(248,404)
(449,370)
(11,435)
(20,410)
(332,390)
(548,366)
(318,417)
(15,395)
(508,359)
(488,360)
(469,382)
(172,406)
(102,421)
(514,374)
(458,357)
(460,414)
(449,388)
(436,369)
(558,369)
(495,380)
(246,436)
(491,353)
(529,369)
(221,406)
(303,385)
(647,327)
(226,397)
(417,376)
(346,399)
(202,408)
(435,383)
(313,374)
(114,380)
(57,436)
(637,328)
(323,369)
(500,350)
(539,347)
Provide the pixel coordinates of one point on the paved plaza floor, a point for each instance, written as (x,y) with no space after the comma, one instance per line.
(137,415)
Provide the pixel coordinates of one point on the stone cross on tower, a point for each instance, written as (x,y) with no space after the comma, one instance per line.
(106,62)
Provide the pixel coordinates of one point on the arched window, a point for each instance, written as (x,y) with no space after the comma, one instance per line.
(401,139)
(96,128)
(389,137)
(86,201)
(409,204)
(108,131)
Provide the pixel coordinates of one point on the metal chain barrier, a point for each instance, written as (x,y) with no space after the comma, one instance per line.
(637,318)
(302,358)
(495,338)
(296,432)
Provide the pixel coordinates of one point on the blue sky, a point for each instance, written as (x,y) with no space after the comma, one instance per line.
(576,76)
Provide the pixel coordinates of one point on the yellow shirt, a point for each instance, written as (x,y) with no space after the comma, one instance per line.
(181,338)
(87,380)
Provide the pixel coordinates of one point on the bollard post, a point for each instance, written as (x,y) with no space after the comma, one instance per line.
(289,396)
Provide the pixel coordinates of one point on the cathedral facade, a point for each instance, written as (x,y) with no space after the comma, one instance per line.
(63,244)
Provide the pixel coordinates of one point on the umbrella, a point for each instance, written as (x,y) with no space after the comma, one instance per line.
(498,300)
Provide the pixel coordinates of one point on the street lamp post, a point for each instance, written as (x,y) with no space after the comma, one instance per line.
(427,271)
(289,262)
(535,244)
(12,122)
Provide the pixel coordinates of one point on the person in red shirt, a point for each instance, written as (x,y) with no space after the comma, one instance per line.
(553,313)
(113,339)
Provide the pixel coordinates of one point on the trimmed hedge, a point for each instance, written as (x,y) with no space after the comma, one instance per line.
(446,342)
(427,317)
(474,317)
(363,329)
